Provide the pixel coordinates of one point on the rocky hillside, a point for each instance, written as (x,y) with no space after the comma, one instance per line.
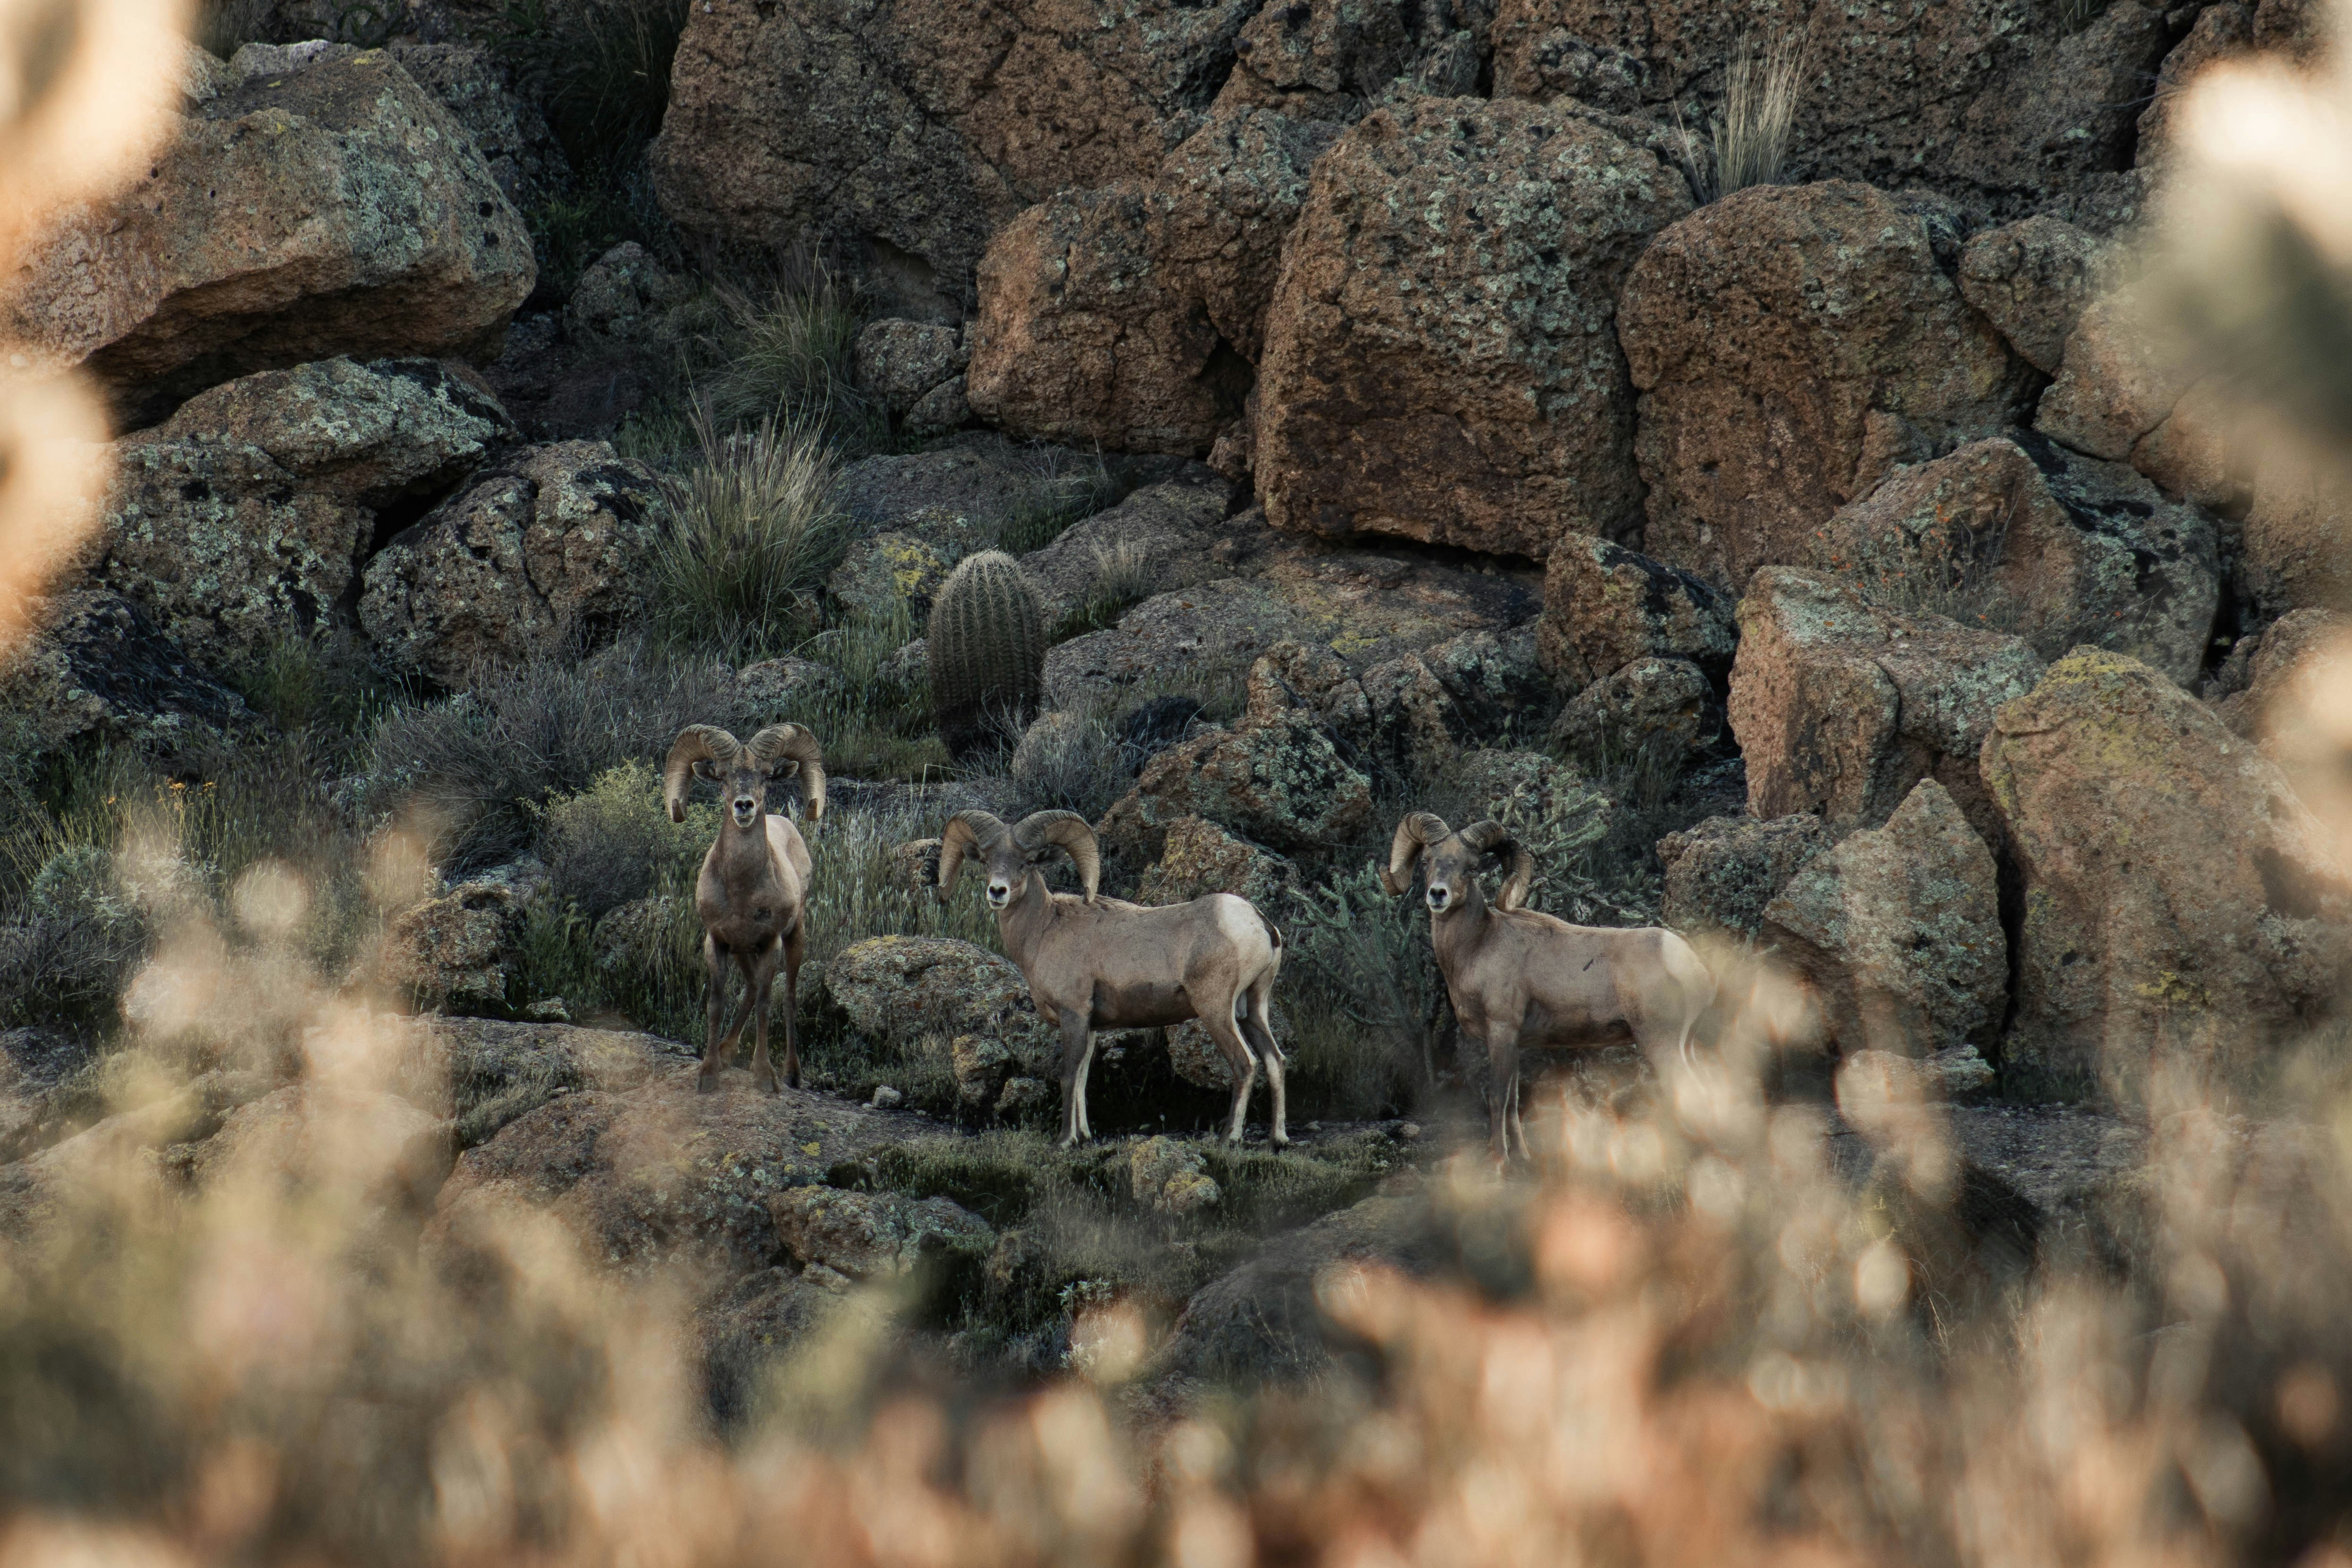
(1737,448)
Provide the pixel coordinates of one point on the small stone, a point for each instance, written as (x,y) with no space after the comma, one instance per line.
(1021,1096)
(549,1009)
(887,1098)
(1409,1131)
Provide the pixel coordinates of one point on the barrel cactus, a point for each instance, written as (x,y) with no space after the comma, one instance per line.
(987,650)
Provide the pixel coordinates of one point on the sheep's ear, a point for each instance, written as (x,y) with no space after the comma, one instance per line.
(784,769)
(704,769)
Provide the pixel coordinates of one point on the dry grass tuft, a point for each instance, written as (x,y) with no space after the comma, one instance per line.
(1747,144)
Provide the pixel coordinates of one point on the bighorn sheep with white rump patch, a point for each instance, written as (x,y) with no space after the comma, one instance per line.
(753,892)
(1521,978)
(1101,963)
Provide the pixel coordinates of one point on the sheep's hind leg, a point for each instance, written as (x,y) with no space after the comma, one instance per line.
(1502,1088)
(795,945)
(760,980)
(1240,1062)
(1258,1028)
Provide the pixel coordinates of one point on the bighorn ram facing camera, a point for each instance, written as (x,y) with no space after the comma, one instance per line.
(753,892)
(1521,978)
(1100,963)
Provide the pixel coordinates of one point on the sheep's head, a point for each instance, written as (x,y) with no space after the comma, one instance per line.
(1451,861)
(743,772)
(1008,855)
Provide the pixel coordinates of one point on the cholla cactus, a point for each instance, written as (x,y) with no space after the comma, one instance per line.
(987,650)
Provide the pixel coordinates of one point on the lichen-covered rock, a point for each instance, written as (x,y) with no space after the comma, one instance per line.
(2005,105)
(1896,932)
(876,1235)
(900,361)
(983,477)
(2033,279)
(922,129)
(946,407)
(1722,874)
(1202,858)
(906,564)
(1126,317)
(1442,356)
(96,664)
(1329,59)
(1791,344)
(1166,535)
(1168,1178)
(337,208)
(2118,378)
(623,296)
(1663,708)
(1606,606)
(1280,782)
(223,547)
(785,687)
(1840,708)
(2291,667)
(899,990)
(2021,535)
(2178,895)
(545,551)
(979,1065)
(477,88)
(456,950)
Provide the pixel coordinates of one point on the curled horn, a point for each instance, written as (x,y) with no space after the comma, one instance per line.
(967,833)
(1066,831)
(1416,832)
(1491,838)
(695,743)
(791,743)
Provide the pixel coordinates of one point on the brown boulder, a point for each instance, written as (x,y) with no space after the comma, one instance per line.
(902,990)
(1280,782)
(920,129)
(1662,709)
(1126,317)
(1896,932)
(1841,707)
(335,209)
(2294,551)
(876,1235)
(1606,606)
(2178,895)
(1200,857)
(1329,59)
(1722,874)
(2008,107)
(1792,343)
(2293,29)
(2117,381)
(901,361)
(1441,357)
(542,553)
(2033,279)
(2290,668)
(477,86)
(2023,535)
(1166,535)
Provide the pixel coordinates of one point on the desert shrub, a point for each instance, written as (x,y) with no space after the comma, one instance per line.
(1949,570)
(1362,993)
(1073,761)
(613,843)
(1060,495)
(75,935)
(471,767)
(1122,580)
(327,682)
(876,723)
(1748,142)
(754,534)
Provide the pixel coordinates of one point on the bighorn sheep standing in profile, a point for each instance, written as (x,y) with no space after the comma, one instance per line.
(1101,963)
(753,892)
(1521,978)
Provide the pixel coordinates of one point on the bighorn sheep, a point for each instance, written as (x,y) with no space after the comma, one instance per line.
(1100,963)
(753,892)
(1521,978)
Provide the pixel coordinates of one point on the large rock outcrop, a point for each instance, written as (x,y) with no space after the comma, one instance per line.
(1841,707)
(1441,357)
(2033,279)
(1128,317)
(2000,102)
(336,208)
(1724,872)
(96,664)
(1791,344)
(1332,59)
(2019,534)
(1896,932)
(1606,606)
(2178,895)
(918,129)
(542,552)
(1278,781)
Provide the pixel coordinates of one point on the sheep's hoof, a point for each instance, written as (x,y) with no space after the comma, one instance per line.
(1282,1140)
(764,1082)
(704,1082)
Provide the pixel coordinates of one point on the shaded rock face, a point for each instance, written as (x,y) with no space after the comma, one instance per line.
(1200,858)
(902,361)
(918,128)
(2178,897)
(1791,344)
(1167,535)
(1606,606)
(1331,59)
(2292,552)
(478,89)
(2023,535)
(542,552)
(1441,356)
(1997,101)
(1840,708)
(378,1147)
(1722,874)
(1663,708)
(338,209)
(1280,782)
(499,1071)
(1896,932)
(2033,279)
(2289,28)
(902,989)
(1128,317)
(1411,716)
(2116,380)
(877,1235)
(622,296)
(96,664)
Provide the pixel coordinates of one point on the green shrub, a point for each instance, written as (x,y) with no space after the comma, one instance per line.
(876,723)
(1362,993)
(754,536)
(1060,496)
(1747,144)
(613,843)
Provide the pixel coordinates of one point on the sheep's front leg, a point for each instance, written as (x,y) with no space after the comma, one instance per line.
(1257,1027)
(1502,1087)
(1241,1063)
(1077,1043)
(795,948)
(715,959)
(761,982)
